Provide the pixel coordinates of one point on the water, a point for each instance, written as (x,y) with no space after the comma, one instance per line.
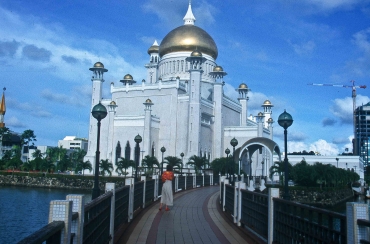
(24,210)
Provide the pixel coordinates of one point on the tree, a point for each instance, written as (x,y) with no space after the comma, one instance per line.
(150,161)
(105,167)
(219,165)
(47,165)
(81,165)
(304,174)
(77,156)
(198,162)
(37,160)
(28,137)
(124,164)
(15,160)
(175,162)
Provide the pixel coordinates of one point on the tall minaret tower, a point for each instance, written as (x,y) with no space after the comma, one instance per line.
(152,66)
(267,105)
(243,99)
(218,136)
(97,80)
(2,110)
(196,59)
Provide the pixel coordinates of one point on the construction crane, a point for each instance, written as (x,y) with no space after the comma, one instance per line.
(353,86)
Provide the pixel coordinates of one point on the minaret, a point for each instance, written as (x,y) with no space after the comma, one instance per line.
(267,110)
(110,143)
(218,136)
(270,121)
(2,110)
(152,66)
(189,18)
(259,119)
(97,80)
(243,99)
(147,127)
(196,59)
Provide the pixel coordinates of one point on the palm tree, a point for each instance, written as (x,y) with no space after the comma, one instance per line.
(277,168)
(220,165)
(15,160)
(150,161)
(77,156)
(198,162)
(81,165)
(47,165)
(37,160)
(27,137)
(175,162)
(124,164)
(105,166)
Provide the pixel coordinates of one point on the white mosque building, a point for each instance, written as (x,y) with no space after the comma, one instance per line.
(180,105)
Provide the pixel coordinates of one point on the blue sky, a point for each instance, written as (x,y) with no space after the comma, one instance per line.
(275,47)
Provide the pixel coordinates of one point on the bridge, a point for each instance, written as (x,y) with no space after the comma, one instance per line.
(207,209)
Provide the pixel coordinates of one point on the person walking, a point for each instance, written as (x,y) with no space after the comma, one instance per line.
(167,195)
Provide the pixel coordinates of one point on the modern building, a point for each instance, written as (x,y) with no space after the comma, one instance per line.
(362,128)
(180,105)
(73,142)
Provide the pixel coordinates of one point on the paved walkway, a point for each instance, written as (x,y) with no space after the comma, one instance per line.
(194,218)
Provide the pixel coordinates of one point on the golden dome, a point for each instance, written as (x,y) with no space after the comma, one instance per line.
(218,69)
(267,102)
(270,120)
(188,38)
(99,65)
(112,103)
(128,77)
(196,53)
(243,86)
(153,49)
(260,114)
(148,101)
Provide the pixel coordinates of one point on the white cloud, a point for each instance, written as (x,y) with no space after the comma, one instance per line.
(332,4)
(324,148)
(304,48)
(343,108)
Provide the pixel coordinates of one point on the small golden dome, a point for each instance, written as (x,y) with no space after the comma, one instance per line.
(270,120)
(267,102)
(112,103)
(188,38)
(153,49)
(148,101)
(128,77)
(243,86)
(196,53)
(99,65)
(218,69)
(260,114)
(177,77)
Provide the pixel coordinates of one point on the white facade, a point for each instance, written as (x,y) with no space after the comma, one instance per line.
(72,142)
(181,105)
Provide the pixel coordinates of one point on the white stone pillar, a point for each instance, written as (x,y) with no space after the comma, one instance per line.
(226,182)
(77,225)
(273,192)
(242,186)
(143,178)
(355,211)
(61,210)
(130,182)
(111,187)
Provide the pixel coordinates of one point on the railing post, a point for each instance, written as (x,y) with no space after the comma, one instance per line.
(111,187)
(355,232)
(251,187)
(226,181)
(203,179)
(211,179)
(61,210)
(186,175)
(130,182)
(77,225)
(273,192)
(243,186)
(236,191)
(194,180)
(262,185)
(143,178)
(222,179)
(176,183)
(155,177)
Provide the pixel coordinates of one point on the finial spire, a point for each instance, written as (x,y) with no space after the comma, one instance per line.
(189,18)
(2,109)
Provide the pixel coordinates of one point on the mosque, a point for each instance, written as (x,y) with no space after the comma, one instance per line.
(181,106)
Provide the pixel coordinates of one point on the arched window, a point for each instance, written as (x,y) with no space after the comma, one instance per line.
(118,151)
(127,151)
(153,150)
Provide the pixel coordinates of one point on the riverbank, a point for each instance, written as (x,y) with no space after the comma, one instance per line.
(58,181)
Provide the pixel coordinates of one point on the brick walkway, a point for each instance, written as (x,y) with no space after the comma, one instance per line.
(194,218)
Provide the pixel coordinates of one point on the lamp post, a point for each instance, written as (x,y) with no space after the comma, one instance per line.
(137,139)
(285,120)
(182,160)
(337,161)
(227,151)
(163,149)
(233,143)
(99,112)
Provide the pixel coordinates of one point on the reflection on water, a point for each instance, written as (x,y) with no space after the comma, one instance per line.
(24,210)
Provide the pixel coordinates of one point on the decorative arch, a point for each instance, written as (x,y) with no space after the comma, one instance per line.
(246,151)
